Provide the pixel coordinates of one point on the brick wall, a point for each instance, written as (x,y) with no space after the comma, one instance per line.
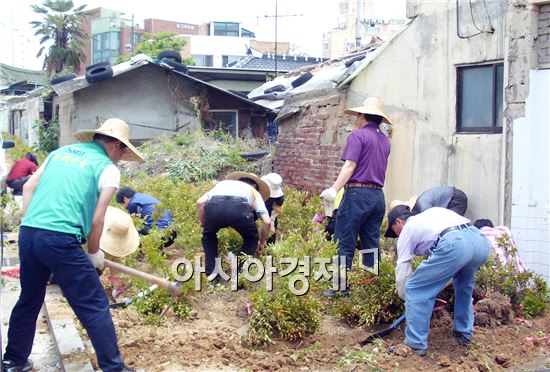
(154,26)
(543,41)
(311,141)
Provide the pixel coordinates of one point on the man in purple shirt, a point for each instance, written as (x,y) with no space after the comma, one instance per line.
(362,175)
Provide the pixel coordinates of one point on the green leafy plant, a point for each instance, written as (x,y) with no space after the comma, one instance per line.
(282,314)
(526,289)
(357,357)
(48,135)
(372,300)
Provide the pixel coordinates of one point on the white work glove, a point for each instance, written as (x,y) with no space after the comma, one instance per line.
(97,259)
(329,194)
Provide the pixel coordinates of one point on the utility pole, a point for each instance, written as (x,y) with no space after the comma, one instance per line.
(277,16)
(357,24)
(132,37)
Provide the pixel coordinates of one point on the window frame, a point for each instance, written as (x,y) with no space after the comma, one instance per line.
(494,128)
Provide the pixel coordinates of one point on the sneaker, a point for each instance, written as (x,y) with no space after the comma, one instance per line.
(419,352)
(9,366)
(460,338)
(331,293)
(127,369)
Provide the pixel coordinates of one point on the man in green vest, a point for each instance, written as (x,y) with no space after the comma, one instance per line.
(64,206)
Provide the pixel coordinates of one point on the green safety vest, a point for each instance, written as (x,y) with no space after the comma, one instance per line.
(67,193)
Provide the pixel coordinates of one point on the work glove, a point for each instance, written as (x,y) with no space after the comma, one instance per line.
(329,194)
(97,259)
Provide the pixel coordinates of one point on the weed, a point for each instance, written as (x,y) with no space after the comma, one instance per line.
(357,357)
(308,350)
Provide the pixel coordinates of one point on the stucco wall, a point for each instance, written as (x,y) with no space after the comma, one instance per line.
(415,77)
(149,99)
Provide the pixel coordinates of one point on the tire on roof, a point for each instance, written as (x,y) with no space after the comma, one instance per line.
(171,54)
(62,78)
(99,73)
(102,63)
(301,79)
(275,88)
(355,59)
(180,67)
(269,97)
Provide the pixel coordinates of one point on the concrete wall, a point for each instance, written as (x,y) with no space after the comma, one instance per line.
(415,77)
(151,100)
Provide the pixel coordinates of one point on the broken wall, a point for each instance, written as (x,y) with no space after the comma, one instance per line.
(311,140)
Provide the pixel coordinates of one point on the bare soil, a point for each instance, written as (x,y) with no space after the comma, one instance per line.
(209,340)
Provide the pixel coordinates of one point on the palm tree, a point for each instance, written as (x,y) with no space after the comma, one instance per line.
(61,29)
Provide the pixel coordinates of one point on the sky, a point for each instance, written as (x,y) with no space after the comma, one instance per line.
(300,22)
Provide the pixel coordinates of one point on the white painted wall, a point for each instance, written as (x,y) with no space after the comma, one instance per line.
(218,46)
(531,177)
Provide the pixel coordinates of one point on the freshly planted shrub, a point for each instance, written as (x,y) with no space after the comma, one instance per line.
(282,314)
(371,300)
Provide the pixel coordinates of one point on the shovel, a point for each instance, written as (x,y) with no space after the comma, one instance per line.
(384,332)
(172,287)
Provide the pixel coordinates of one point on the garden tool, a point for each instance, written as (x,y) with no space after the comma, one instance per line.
(133,299)
(172,287)
(384,332)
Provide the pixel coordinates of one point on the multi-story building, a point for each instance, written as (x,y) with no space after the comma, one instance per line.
(360,23)
(213,44)
(112,33)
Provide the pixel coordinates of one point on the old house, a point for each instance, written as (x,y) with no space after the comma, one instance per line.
(154,100)
(467,85)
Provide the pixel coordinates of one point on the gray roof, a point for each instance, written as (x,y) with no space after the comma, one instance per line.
(10,75)
(267,62)
(80,82)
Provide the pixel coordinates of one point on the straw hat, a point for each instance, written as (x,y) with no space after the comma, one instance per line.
(371,105)
(274,182)
(115,128)
(262,185)
(409,203)
(120,237)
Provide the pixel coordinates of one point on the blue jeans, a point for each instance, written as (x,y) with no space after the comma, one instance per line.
(457,256)
(42,252)
(360,214)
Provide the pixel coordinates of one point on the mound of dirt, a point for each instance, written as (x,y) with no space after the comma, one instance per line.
(494,311)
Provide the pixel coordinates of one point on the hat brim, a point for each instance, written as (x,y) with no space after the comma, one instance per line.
(363,110)
(119,246)
(130,153)
(276,192)
(262,185)
(389,232)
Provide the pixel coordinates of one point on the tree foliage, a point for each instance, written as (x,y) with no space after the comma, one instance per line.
(60,29)
(153,44)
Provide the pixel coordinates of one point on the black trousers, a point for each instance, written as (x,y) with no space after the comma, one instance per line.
(17,185)
(227,211)
(458,202)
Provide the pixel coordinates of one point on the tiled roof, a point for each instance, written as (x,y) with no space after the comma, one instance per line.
(267,62)
(10,75)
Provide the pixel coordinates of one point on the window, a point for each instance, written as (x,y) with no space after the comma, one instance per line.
(223,120)
(203,60)
(479,98)
(226,29)
(247,33)
(106,46)
(229,59)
